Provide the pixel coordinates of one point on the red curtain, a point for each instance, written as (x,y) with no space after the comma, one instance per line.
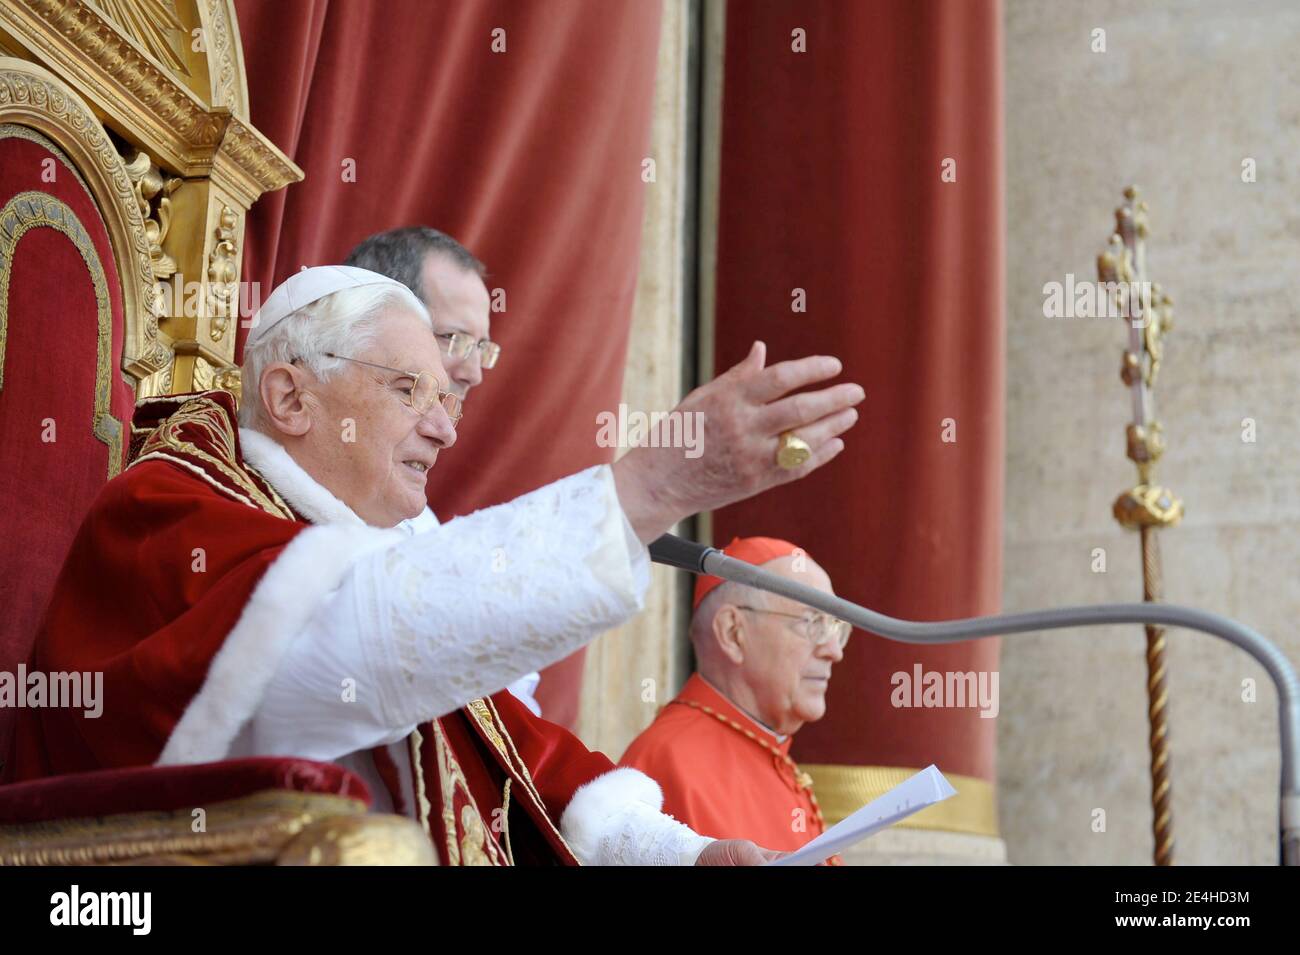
(529,156)
(832,181)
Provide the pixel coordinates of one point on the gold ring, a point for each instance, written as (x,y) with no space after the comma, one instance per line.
(792,451)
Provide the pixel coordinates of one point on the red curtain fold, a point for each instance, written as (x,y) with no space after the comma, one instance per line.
(531,157)
(832,182)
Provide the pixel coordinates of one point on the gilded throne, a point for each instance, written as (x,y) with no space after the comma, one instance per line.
(127,168)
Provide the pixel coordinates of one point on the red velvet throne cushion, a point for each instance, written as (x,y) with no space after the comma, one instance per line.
(52,464)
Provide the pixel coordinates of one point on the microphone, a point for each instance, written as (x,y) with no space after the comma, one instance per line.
(701,559)
(680,553)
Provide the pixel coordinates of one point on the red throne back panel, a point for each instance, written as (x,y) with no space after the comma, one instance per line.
(61,334)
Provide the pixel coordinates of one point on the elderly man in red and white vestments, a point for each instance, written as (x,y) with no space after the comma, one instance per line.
(247,590)
(449,280)
(720,749)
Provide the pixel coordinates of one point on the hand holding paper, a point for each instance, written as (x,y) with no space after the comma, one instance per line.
(924,789)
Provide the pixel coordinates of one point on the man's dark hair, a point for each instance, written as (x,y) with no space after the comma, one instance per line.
(400,254)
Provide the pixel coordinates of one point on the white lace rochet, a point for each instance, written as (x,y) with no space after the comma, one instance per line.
(454,612)
(421,627)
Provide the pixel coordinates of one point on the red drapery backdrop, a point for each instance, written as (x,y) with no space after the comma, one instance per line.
(832,182)
(530,156)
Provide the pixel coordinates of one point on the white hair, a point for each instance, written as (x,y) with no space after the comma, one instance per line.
(343,322)
(727,592)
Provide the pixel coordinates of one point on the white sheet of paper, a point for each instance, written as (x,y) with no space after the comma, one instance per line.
(912,795)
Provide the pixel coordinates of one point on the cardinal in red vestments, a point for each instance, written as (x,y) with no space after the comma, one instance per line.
(720,749)
(255,586)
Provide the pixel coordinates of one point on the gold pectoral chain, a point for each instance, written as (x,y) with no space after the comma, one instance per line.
(802,779)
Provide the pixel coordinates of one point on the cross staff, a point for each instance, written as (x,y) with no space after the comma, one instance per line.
(1147,506)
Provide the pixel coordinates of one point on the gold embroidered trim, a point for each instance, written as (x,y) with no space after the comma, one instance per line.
(196,471)
(505,821)
(213,421)
(802,780)
(422,806)
(471,843)
(491,721)
(451,777)
(274,494)
(478,709)
(527,778)
(31,210)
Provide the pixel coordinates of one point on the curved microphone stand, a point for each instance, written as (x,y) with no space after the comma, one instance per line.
(700,559)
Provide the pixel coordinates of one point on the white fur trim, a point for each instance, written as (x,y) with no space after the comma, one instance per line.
(293,587)
(303,492)
(588,813)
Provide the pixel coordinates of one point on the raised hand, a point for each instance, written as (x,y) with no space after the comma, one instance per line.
(744,412)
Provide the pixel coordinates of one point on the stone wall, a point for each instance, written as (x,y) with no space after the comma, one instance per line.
(1185,91)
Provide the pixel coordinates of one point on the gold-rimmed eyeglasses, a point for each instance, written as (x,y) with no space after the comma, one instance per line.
(821,628)
(459,344)
(423,392)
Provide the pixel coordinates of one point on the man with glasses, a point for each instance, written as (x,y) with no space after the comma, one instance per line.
(448,279)
(720,749)
(244,589)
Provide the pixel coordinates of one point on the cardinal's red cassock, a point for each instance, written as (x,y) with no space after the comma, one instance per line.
(237,608)
(724,774)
